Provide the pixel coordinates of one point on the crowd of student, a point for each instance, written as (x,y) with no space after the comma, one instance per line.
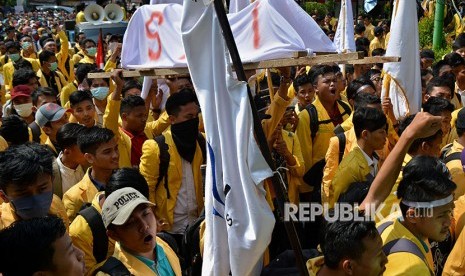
(95,179)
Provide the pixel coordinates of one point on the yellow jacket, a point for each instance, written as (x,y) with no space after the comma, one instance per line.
(404,263)
(353,168)
(78,56)
(370,32)
(456,170)
(332,160)
(315,264)
(66,91)
(81,193)
(296,172)
(3,144)
(455,262)
(149,168)
(459,216)
(63,56)
(375,44)
(314,151)
(455,98)
(59,79)
(138,268)
(8,215)
(392,199)
(9,69)
(459,25)
(80,17)
(82,238)
(110,121)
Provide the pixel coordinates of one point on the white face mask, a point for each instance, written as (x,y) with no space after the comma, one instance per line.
(24,110)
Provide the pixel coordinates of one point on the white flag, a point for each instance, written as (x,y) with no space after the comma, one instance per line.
(239,221)
(344,38)
(370,4)
(238,5)
(402,80)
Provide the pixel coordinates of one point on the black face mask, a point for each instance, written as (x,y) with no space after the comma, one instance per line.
(185,138)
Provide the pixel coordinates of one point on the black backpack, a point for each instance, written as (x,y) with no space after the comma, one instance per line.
(99,233)
(165,159)
(191,247)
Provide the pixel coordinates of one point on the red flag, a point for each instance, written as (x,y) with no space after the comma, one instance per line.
(100,56)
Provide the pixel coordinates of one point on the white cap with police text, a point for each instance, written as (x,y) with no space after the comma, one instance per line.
(119,206)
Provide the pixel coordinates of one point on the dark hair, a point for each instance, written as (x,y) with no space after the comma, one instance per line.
(301,80)
(90,81)
(355,85)
(435,106)
(87,40)
(45,40)
(130,84)
(22,76)
(92,138)
(370,73)
(319,70)
(30,242)
(424,179)
(349,68)
(366,118)
(45,55)
(362,41)
(364,99)
(15,130)
(80,96)
(83,69)
(21,165)
(459,42)
(344,239)
(438,66)
(68,134)
(12,44)
(447,80)
(359,28)
(127,177)
(43,91)
(130,102)
(454,60)
(23,64)
(275,81)
(77,36)
(175,101)
(416,143)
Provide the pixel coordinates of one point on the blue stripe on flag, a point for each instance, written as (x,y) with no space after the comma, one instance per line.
(370,4)
(216,213)
(216,194)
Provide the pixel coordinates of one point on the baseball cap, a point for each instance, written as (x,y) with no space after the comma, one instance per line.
(20,91)
(119,206)
(49,112)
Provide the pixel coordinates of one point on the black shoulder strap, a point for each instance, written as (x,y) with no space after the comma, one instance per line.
(114,267)
(346,107)
(445,151)
(99,233)
(35,129)
(164,162)
(452,156)
(202,144)
(342,145)
(338,129)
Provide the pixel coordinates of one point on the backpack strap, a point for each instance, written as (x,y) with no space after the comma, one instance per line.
(445,151)
(314,123)
(164,163)
(114,267)
(383,226)
(346,107)
(202,144)
(338,129)
(35,129)
(342,145)
(99,233)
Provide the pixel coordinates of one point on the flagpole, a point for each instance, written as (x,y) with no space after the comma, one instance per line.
(281,196)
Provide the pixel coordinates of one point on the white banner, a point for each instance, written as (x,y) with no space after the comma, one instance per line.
(266,29)
(239,221)
(344,38)
(402,80)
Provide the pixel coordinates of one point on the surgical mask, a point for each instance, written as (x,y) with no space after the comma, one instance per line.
(33,206)
(91,51)
(14,57)
(26,45)
(24,110)
(53,66)
(100,93)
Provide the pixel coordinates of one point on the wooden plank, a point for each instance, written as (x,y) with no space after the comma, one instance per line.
(345,58)
(369,60)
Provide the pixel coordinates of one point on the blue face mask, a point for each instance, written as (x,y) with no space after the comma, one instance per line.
(33,206)
(100,93)
(14,57)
